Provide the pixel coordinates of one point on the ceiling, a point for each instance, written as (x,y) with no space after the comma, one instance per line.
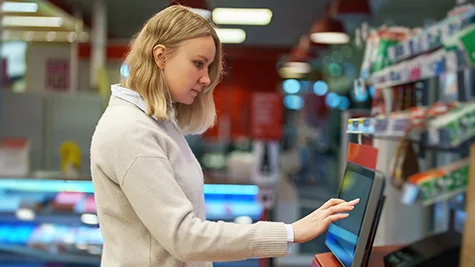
(289,21)
(291,18)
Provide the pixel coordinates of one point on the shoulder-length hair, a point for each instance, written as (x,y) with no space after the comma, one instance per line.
(170,27)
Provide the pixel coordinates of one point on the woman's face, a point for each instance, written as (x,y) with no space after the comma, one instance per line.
(186,71)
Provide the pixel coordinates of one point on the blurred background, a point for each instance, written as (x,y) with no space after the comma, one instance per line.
(303,78)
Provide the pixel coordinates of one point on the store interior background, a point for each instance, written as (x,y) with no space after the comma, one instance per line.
(56,83)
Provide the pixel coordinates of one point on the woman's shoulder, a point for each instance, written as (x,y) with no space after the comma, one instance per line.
(127,125)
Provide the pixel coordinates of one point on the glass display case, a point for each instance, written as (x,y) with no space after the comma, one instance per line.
(53,222)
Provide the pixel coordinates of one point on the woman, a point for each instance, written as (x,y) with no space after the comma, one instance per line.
(148,184)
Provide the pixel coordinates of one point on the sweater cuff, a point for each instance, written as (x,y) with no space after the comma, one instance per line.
(269,240)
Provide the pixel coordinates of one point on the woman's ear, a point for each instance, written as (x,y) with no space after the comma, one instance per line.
(159,55)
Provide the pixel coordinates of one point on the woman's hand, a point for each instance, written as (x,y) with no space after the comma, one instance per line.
(318,221)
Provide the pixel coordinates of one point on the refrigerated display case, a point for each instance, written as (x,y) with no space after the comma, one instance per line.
(53,222)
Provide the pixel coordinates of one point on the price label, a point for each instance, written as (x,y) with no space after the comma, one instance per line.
(434,136)
(410,193)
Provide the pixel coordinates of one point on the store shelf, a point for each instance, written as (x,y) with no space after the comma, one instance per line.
(396,125)
(428,54)
(44,256)
(436,185)
(454,127)
(432,37)
(59,185)
(417,69)
(71,219)
(447,131)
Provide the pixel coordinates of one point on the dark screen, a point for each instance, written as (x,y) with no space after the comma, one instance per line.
(343,234)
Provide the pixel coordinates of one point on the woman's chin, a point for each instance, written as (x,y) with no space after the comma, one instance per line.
(188,101)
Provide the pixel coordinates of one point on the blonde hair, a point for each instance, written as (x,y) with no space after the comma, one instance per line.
(170,27)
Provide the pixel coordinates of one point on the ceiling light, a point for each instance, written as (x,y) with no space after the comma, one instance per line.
(340,8)
(232,36)
(298,67)
(242,16)
(19,7)
(290,73)
(25,21)
(329,31)
(330,37)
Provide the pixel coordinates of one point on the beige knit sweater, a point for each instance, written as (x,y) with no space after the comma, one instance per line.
(149,194)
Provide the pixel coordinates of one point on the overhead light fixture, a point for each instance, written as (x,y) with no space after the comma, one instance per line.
(19,7)
(339,8)
(294,70)
(242,16)
(329,31)
(231,36)
(330,38)
(26,21)
(296,64)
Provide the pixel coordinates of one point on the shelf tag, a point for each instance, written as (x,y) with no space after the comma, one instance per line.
(409,194)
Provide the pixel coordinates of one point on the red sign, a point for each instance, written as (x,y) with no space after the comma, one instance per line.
(365,156)
(266,116)
(57,75)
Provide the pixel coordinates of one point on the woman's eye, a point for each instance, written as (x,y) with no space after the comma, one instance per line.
(199,64)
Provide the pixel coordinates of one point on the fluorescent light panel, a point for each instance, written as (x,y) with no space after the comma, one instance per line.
(19,7)
(27,21)
(231,36)
(295,70)
(242,16)
(330,38)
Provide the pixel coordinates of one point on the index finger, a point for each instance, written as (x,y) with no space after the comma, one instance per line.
(353,202)
(331,202)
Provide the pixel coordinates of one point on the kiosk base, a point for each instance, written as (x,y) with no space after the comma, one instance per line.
(376,260)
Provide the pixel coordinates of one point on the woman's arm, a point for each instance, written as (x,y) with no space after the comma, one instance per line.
(162,206)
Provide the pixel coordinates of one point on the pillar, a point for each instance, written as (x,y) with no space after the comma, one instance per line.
(75,38)
(98,40)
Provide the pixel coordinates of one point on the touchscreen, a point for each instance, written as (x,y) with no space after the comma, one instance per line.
(343,235)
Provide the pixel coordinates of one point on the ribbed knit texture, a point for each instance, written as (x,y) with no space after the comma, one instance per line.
(149,194)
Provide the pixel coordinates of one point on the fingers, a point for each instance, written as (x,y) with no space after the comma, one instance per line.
(353,202)
(336,201)
(332,202)
(343,207)
(335,217)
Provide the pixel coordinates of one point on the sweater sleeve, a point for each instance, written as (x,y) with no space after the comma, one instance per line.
(162,206)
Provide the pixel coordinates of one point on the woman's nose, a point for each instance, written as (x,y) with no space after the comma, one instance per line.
(205,80)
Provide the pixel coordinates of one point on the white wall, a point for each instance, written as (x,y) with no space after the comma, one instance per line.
(38,54)
(113,73)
